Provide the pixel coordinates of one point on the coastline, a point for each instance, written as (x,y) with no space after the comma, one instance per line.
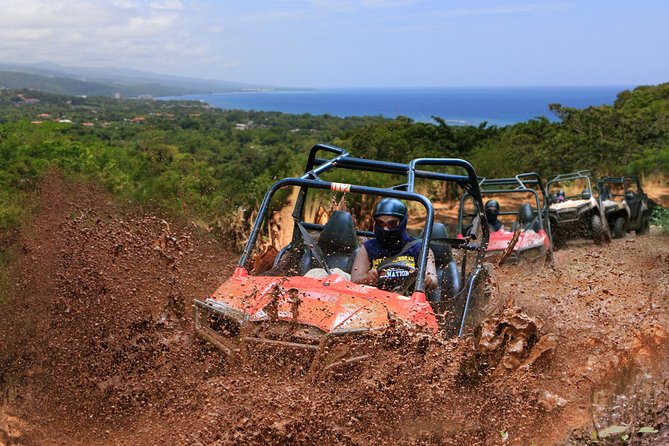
(498,106)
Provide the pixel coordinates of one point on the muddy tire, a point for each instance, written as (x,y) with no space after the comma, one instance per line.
(600,233)
(645,226)
(558,239)
(619,227)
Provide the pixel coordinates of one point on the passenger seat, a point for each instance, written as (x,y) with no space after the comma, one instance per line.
(338,242)
(448,276)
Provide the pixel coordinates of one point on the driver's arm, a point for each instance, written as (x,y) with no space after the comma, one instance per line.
(361,272)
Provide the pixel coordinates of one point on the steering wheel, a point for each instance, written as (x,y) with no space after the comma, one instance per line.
(399,284)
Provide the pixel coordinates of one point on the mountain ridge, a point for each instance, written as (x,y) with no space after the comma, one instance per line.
(54,78)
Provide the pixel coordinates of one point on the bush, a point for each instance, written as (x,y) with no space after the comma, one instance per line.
(660,218)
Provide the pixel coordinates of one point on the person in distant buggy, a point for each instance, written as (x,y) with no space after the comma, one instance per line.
(492,214)
(391,245)
(560,197)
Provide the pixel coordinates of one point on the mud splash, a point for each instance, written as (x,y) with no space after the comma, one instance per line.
(97,349)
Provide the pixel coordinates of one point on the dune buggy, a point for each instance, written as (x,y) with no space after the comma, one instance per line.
(523,212)
(626,206)
(304,302)
(575,209)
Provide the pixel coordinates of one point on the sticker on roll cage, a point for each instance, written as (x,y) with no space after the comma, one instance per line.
(340,187)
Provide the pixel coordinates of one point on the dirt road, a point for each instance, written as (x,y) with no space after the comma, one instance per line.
(96,348)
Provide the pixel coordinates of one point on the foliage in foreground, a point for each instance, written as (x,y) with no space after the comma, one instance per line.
(660,218)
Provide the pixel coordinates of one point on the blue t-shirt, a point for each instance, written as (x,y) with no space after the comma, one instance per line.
(377,254)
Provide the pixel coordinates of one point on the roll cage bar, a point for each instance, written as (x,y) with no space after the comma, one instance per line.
(632,179)
(580,174)
(315,166)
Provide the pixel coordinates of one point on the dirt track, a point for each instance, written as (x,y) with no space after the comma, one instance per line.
(96,349)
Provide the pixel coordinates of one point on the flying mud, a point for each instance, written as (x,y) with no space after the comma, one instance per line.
(97,348)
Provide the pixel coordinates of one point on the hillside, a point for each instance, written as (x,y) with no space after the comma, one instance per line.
(86,81)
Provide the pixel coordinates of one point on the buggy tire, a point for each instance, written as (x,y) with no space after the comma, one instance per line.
(599,230)
(645,226)
(619,227)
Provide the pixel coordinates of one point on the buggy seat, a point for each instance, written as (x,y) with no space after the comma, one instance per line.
(448,278)
(338,242)
(528,218)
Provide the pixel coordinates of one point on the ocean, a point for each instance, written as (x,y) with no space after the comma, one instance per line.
(457,106)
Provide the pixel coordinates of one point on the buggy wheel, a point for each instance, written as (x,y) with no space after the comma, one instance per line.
(645,226)
(619,227)
(599,230)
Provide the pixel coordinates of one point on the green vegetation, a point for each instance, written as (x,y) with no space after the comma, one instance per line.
(205,164)
(660,218)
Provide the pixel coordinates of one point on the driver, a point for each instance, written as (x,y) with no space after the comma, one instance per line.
(491,213)
(391,244)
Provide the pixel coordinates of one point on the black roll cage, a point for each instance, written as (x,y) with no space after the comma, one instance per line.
(342,159)
(632,179)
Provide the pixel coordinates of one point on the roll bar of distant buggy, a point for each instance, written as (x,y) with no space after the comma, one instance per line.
(580,174)
(631,179)
(351,188)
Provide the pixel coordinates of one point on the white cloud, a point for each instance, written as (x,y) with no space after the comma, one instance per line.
(89,32)
(167,4)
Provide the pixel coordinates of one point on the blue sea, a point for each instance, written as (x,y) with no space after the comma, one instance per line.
(457,106)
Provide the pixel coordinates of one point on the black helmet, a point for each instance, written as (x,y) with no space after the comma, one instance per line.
(560,193)
(492,207)
(390,206)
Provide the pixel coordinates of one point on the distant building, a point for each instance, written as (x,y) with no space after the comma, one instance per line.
(117,95)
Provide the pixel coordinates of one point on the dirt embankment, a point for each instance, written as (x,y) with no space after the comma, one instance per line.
(96,349)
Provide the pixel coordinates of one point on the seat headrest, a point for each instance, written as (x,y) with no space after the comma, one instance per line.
(586,194)
(339,232)
(439,231)
(525,213)
(440,249)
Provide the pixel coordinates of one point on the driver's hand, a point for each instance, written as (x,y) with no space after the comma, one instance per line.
(372,277)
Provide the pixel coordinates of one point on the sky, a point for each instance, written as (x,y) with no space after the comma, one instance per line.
(351,43)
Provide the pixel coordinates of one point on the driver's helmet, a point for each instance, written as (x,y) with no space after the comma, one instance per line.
(491,210)
(606,193)
(390,206)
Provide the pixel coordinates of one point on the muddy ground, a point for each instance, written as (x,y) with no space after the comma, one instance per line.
(96,348)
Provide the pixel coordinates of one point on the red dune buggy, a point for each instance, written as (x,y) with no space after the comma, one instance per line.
(524,233)
(303,301)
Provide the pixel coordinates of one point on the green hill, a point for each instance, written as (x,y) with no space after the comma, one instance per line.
(70,86)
